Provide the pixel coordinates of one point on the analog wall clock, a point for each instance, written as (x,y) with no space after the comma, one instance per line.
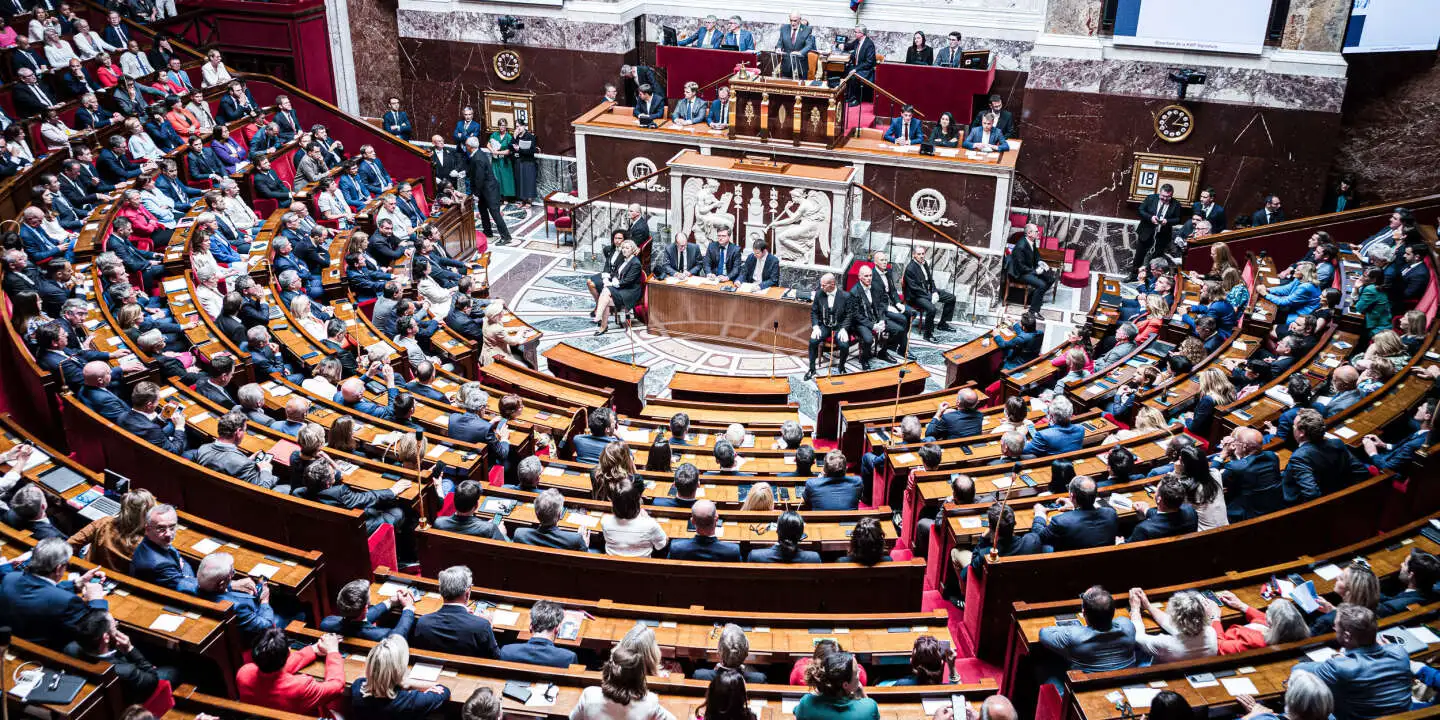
(1174,123)
(507,65)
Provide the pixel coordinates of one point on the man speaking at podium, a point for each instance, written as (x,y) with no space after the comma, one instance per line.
(795,44)
(829,316)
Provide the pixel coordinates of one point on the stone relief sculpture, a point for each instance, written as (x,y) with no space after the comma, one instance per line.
(803,226)
(704,210)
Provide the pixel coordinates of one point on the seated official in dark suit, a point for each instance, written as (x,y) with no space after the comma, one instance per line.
(834,490)
(1025,346)
(1060,436)
(545,619)
(1002,537)
(1250,475)
(905,130)
(1103,643)
(962,420)
(1419,572)
(687,482)
(732,647)
(358,617)
(829,320)
(1271,213)
(453,628)
(680,259)
(1170,516)
(549,508)
(99,640)
(922,294)
(722,258)
(1004,119)
(27,514)
(144,420)
(41,605)
(986,137)
(1080,523)
(1396,457)
(705,545)
(602,424)
(650,106)
(97,395)
(1022,265)
(789,531)
(225,456)
(1319,465)
(156,560)
(761,268)
(464,521)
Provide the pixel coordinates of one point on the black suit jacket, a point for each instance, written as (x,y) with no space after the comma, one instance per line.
(769,275)
(1023,259)
(639,231)
(1149,208)
(27,100)
(669,263)
(919,284)
(464,325)
(1005,121)
(863,58)
(453,629)
(829,317)
(1216,215)
(157,432)
(1078,529)
(1258,217)
(444,161)
(866,307)
(482,176)
(269,185)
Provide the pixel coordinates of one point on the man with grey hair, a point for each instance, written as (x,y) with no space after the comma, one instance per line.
(156,560)
(469,425)
(20,274)
(791,435)
(1124,345)
(545,619)
(453,628)
(215,581)
(1367,679)
(527,474)
(42,606)
(1012,449)
(207,291)
(733,648)
(549,508)
(1306,698)
(27,513)
(265,355)
(862,62)
(705,36)
(1060,436)
(485,188)
(706,545)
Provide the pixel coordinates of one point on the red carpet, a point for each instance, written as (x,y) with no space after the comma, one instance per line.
(482,243)
(862,115)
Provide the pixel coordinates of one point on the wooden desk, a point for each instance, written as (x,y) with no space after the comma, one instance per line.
(978,360)
(755,418)
(701,309)
(704,387)
(99,698)
(887,382)
(568,362)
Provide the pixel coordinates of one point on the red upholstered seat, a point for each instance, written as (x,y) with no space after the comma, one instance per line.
(284,167)
(1018,220)
(1050,706)
(1077,274)
(366,306)
(382,547)
(852,274)
(162,700)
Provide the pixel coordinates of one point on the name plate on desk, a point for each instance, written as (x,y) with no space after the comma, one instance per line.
(760,164)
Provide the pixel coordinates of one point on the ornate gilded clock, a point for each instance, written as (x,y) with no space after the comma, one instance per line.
(507,65)
(1174,123)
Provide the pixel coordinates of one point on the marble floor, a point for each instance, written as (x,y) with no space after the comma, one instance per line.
(539,280)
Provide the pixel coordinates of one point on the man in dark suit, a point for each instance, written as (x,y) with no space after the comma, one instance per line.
(217,379)
(452,628)
(549,508)
(1399,455)
(1250,474)
(722,258)
(114,164)
(397,121)
(1159,214)
(1025,346)
(905,130)
(639,231)
(545,619)
(705,36)
(761,267)
(358,618)
(795,44)
(921,294)
(602,424)
(445,163)
(962,420)
(97,395)
(705,546)
(1023,266)
(460,320)
(862,62)
(1079,524)
(53,357)
(833,490)
(869,323)
(156,560)
(41,605)
(1060,436)
(634,76)
(898,316)
(950,55)
(20,274)
(684,488)
(650,108)
(829,320)
(486,190)
(1414,278)
(115,32)
(1271,213)
(720,108)
(424,375)
(27,513)
(225,456)
(465,521)
(1004,120)
(1419,572)
(1208,208)
(1319,465)
(1171,516)
(30,98)
(99,640)
(267,183)
(680,259)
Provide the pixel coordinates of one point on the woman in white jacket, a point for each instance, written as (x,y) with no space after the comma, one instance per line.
(438,297)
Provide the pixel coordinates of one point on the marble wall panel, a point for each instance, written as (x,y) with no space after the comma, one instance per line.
(1079,151)
(1391,127)
(373,37)
(1073,17)
(539,32)
(1248,86)
(969,203)
(1316,25)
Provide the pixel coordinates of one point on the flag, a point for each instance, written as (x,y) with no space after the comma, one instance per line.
(855,6)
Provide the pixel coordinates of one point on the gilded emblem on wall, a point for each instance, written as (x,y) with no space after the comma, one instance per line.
(749,112)
(815,119)
(782,114)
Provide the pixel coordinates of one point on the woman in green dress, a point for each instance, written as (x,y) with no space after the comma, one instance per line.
(501,149)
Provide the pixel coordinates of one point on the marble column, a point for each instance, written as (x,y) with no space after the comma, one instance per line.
(376,61)
(1073,17)
(1316,25)
(337,21)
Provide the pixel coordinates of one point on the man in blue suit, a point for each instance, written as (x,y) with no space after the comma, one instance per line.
(720,107)
(357,616)
(1419,572)
(1103,643)
(352,395)
(987,137)
(466,127)
(602,424)
(905,130)
(215,581)
(545,619)
(372,173)
(690,109)
(114,165)
(738,36)
(1250,474)
(1320,465)
(38,245)
(397,121)
(834,490)
(761,267)
(97,396)
(1395,457)
(1060,436)
(41,605)
(1170,516)
(705,36)
(1025,346)
(649,105)
(1367,679)
(156,560)
(722,259)
(962,420)
(351,188)
(1081,525)
(453,628)
(705,545)
(143,420)
(424,375)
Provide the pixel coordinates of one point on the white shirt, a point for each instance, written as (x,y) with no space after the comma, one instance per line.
(402,225)
(438,297)
(58,56)
(632,538)
(210,300)
(135,65)
(213,74)
(91,44)
(1170,647)
(759,271)
(593,705)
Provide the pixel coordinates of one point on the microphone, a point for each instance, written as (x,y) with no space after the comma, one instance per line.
(774,343)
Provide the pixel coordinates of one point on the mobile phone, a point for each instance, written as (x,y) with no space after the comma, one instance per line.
(966,449)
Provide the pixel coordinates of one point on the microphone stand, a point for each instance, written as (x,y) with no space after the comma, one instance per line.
(895,409)
(629,325)
(774,342)
(834,341)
